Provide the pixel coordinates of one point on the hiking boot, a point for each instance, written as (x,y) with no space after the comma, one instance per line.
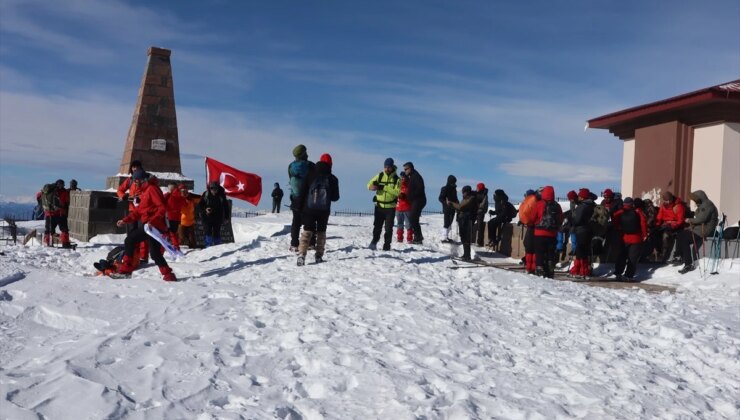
(386,247)
(301,261)
(399,235)
(686,269)
(373,246)
(619,278)
(293,248)
(540,271)
(319,260)
(167,274)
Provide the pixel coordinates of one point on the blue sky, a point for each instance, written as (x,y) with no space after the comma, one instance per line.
(494,92)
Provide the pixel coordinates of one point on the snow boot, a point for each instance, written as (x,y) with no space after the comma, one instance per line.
(301,260)
(303,242)
(320,246)
(217,240)
(409,235)
(576,269)
(47,239)
(399,234)
(373,245)
(167,273)
(466,252)
(540,271)
(64,237)
(531,264)
(126,266)
(387,246)
(686,269)
(208,239)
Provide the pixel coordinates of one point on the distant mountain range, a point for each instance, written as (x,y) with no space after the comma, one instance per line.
(17,211)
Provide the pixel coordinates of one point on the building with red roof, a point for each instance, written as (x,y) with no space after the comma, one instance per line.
(682,144)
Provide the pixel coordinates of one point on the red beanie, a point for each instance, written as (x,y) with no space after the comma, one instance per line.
(326,158)
(480,186)
(583,193)
(608,193)
(572,195)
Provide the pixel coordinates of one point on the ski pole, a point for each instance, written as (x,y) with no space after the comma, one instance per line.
(695,251)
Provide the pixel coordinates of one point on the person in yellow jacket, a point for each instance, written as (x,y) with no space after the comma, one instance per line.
(186,231)
(387,188)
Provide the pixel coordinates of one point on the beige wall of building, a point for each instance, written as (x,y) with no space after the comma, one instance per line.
(628,167)
(716,166)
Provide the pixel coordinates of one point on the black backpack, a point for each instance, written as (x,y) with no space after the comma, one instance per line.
(318,194)
(630,221)
(551,217)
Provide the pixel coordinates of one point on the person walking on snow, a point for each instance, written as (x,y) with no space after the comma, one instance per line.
(277,198)
(418,198)
(128,190)
(403,221)
(702,225)
(467,211)
(387,186)
(297,172)
(320,190)
(448,193)
(149,208)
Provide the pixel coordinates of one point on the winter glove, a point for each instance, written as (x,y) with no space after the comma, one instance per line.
(379,187)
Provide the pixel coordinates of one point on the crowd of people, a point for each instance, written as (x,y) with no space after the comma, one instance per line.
(626,229)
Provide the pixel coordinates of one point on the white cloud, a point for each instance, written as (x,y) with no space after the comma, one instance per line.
(558,171)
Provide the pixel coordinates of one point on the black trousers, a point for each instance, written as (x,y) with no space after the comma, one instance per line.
(685,239)
(315,222)
(138,235)
(51,223)
(529,240)
(295,227)
(465,227)
(583,244)
(212,227)
(384,217)
(415,216)
(448,213)
(544,249)
(495,225)
(627,256)
(276,205)
(173,225)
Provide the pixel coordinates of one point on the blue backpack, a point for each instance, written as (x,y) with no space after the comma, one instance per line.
(318,194)
(298,171)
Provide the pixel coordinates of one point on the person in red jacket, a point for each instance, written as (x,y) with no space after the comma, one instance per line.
(669,221)
(175,202)
(403,206)
(548,219)
(55,214)
(149,207)
(630,224)
(128,190)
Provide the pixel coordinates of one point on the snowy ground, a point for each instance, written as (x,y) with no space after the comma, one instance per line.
(368,334)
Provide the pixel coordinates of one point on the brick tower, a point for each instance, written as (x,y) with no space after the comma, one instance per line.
(152,137)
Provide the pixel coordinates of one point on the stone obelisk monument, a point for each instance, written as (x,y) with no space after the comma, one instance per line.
(152,137)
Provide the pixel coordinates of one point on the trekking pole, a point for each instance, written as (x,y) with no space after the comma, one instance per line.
(695,251)
(716,253)
(737,247)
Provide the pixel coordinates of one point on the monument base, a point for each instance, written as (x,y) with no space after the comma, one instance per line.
(94,213)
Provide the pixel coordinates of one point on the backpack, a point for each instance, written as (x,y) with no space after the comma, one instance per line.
(527,210)
(298,171)
(599,220)
(318,194)
(551,217)
(510,211)
(630,221)
(49,197)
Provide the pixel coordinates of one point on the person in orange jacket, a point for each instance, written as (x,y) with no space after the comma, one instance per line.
(186,231)
(129,190)
(548,219)
(527,211)
(149,207)
(175,202)
(631,226)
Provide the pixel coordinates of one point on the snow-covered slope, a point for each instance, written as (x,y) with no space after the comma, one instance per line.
(368,334)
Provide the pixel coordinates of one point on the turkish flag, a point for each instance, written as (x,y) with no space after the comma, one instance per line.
(236,183)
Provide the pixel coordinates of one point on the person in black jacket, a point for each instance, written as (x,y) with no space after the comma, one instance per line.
(418,198)
(277,198)
(448,193)
(320,190)
(502,214)
(479,227)
(467,211)
(580,225)
(214,209)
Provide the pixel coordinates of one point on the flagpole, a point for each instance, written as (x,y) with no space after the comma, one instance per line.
(205,163)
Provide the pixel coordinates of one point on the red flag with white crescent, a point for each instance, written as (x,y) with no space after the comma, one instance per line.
(237,184)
